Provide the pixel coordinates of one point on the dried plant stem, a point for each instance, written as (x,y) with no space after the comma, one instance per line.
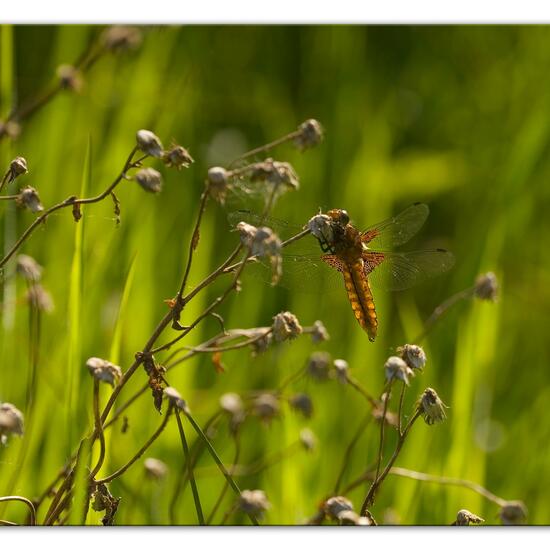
(268,146)
(8,197)
(192,481)
(98,430)
(386,397)
(32,510)
(400,408)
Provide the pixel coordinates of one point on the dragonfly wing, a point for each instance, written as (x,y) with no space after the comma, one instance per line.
(402,270)
(397,230)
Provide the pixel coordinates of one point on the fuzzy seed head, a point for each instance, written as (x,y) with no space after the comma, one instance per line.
(149,143)
(177,157)
(318,366)
(266,406)
(18,166)
(218,180)
(11,422)
(104,370)
(431,407)
(465,517)
(335,506)
(150,180)
(28,268)
(321,227)
(279,174)
(70,78)
(514,512)
(308,439)
(28,198)
(397,369)
(341,368)
(413,355)
(38,297)
(486,287)
(155,469)
(254,502)
(286,326)
(311,134)
(302,403)
(319,333)
(121,38)
(349,517)
(175,398)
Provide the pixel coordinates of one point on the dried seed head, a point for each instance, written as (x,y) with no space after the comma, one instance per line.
(149,179)
(254,502)
(18,166)
(413,355)
(177,157)
(28,268)
(390,418)
(311,134)
(28,198)
(38,297)
(349,517)
(11,422)
(302,403)
(149,143)
(318,366)
(218,179)
(465,517)
(121,38)
(276,173)
(247,232)
(175,398)
(321,227)
(70,78)
(266,406)
(155,468)
(431,407)
(10,129)
(397,369)
(341,368)
(319,333)
(104,370)
(514,512)
(308,439)
(486,287)
(232,404)
(286,326)
(334,506)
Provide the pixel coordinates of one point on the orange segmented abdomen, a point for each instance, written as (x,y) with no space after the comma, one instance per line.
(360,297)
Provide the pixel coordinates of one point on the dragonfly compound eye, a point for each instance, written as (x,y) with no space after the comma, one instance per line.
(344,217)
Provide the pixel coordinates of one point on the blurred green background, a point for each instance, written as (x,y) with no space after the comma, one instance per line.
(454,116)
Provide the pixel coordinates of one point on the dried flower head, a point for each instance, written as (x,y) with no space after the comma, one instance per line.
(11,422)
(319,333)
(486,287)
(121,38)
(218,179)
(279,174)
(286,326)
(18,166)
(321,228)
(349,517)
(335,506)
(431,407)
(308,439)
(175,398)
(149,143)
(318,366)
(254,502)
(28,198)
(104,370)
(341,368)
(261,344)
(38,297)
(302,403)
(155,468)
(28,268)
(233,405)
(177,157)
(266,406)
(149,179)
(70,78)
(465,517)
(397,369)
(310,134)
(413,355)
(10,129)
(378,413)
(514,512)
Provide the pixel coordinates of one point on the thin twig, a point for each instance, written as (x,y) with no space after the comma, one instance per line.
(32,510)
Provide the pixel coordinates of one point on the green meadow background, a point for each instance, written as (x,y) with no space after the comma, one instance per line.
(454,116)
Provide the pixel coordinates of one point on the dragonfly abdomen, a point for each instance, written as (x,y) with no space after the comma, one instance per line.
(360,297)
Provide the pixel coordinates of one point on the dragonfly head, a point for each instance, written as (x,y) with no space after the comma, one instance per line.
(339,216)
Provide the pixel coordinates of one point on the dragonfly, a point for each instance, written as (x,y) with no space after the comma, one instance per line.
(365,258)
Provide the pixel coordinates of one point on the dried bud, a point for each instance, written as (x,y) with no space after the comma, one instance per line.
(465,517)
(121,38)
(275,173)
(175,399)
(104,370)
(431,407)
(218,179)
(308,439)
(28,268)
(349,517)
(413,355)
(334,506)
(310,134)
(70,78)
(486,287)
(18,166)
(155,469)
(318,365)
(321,228)
(10,129)
(149,143)
(301,402)
(397,369)
(28,198)
(286,326)
(11,422)
(266,406)
(177,157)
(514,512)
(319,333)
(254,502)
(149,179)
(341,368)
(38,297)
